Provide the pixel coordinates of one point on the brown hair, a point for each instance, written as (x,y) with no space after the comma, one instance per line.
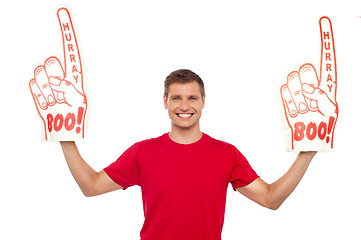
(183,76)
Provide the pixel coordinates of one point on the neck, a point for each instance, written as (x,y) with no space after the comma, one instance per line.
(185,136)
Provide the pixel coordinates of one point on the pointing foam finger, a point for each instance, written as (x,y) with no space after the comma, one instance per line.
(73,69)
(328,75)
(295,87)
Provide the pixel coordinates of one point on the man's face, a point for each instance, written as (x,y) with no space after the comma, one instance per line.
(184,104)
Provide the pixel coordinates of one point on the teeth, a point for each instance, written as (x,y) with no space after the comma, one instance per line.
(184,115)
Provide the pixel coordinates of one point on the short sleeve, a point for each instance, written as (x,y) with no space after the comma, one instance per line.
(242,173)
(125,170)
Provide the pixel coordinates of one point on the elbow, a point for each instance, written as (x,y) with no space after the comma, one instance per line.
(89,188)
(272,200)
(274,207)
(273,204)
(88,193)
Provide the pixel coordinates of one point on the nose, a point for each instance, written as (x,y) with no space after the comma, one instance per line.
(184,106)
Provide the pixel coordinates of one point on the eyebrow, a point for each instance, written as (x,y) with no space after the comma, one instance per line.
(179,96)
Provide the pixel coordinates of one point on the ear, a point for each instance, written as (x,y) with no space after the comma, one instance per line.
(165,102)
(203,101)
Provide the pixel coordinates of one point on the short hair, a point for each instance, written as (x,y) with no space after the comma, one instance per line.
(183,76)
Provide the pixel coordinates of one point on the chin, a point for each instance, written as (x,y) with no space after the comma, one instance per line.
(184,126)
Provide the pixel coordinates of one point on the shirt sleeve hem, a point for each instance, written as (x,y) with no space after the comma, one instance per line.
(116,180)
(237,184)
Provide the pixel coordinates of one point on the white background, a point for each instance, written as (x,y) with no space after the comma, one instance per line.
(243,50)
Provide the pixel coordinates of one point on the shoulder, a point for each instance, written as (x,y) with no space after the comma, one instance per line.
(224,147)
(219,143)
(227,150)
(150,142)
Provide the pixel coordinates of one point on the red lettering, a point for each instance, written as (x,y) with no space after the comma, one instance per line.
(74,69)
(311,131)
(299,129)
(329,87)
(329,78)
(69,122)
(330,124)
(80,114)
(68,36)
(328,56)
(66,26)
(328,67)
(58,122)
(72,58)
(70,48)
(69,118)
(80,118)
(326,35)
(322,130)
(50,121)
(327,45)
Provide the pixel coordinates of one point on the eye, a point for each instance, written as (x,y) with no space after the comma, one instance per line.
(193,98)
(175,98)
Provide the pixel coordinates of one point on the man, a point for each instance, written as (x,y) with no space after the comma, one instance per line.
(184,174)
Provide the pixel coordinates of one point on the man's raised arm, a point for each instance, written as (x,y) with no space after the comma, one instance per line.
(91,183)
(273,195)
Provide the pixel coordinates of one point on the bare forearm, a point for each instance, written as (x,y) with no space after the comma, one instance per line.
(83,174)
(283,187)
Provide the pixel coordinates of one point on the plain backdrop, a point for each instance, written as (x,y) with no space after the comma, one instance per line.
(243,50)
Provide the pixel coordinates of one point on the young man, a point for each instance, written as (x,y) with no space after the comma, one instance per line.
(184,174)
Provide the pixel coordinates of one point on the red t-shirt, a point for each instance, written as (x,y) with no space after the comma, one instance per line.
(183,186)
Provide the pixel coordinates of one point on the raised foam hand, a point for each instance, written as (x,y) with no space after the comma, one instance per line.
(58,91)
(309,100)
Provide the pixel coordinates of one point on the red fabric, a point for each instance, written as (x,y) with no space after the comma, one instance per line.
(183,186)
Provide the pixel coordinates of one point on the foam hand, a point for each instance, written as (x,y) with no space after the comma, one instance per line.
(309,99)
(58,91)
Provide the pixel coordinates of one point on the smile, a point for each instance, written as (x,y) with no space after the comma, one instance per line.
(184,115)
